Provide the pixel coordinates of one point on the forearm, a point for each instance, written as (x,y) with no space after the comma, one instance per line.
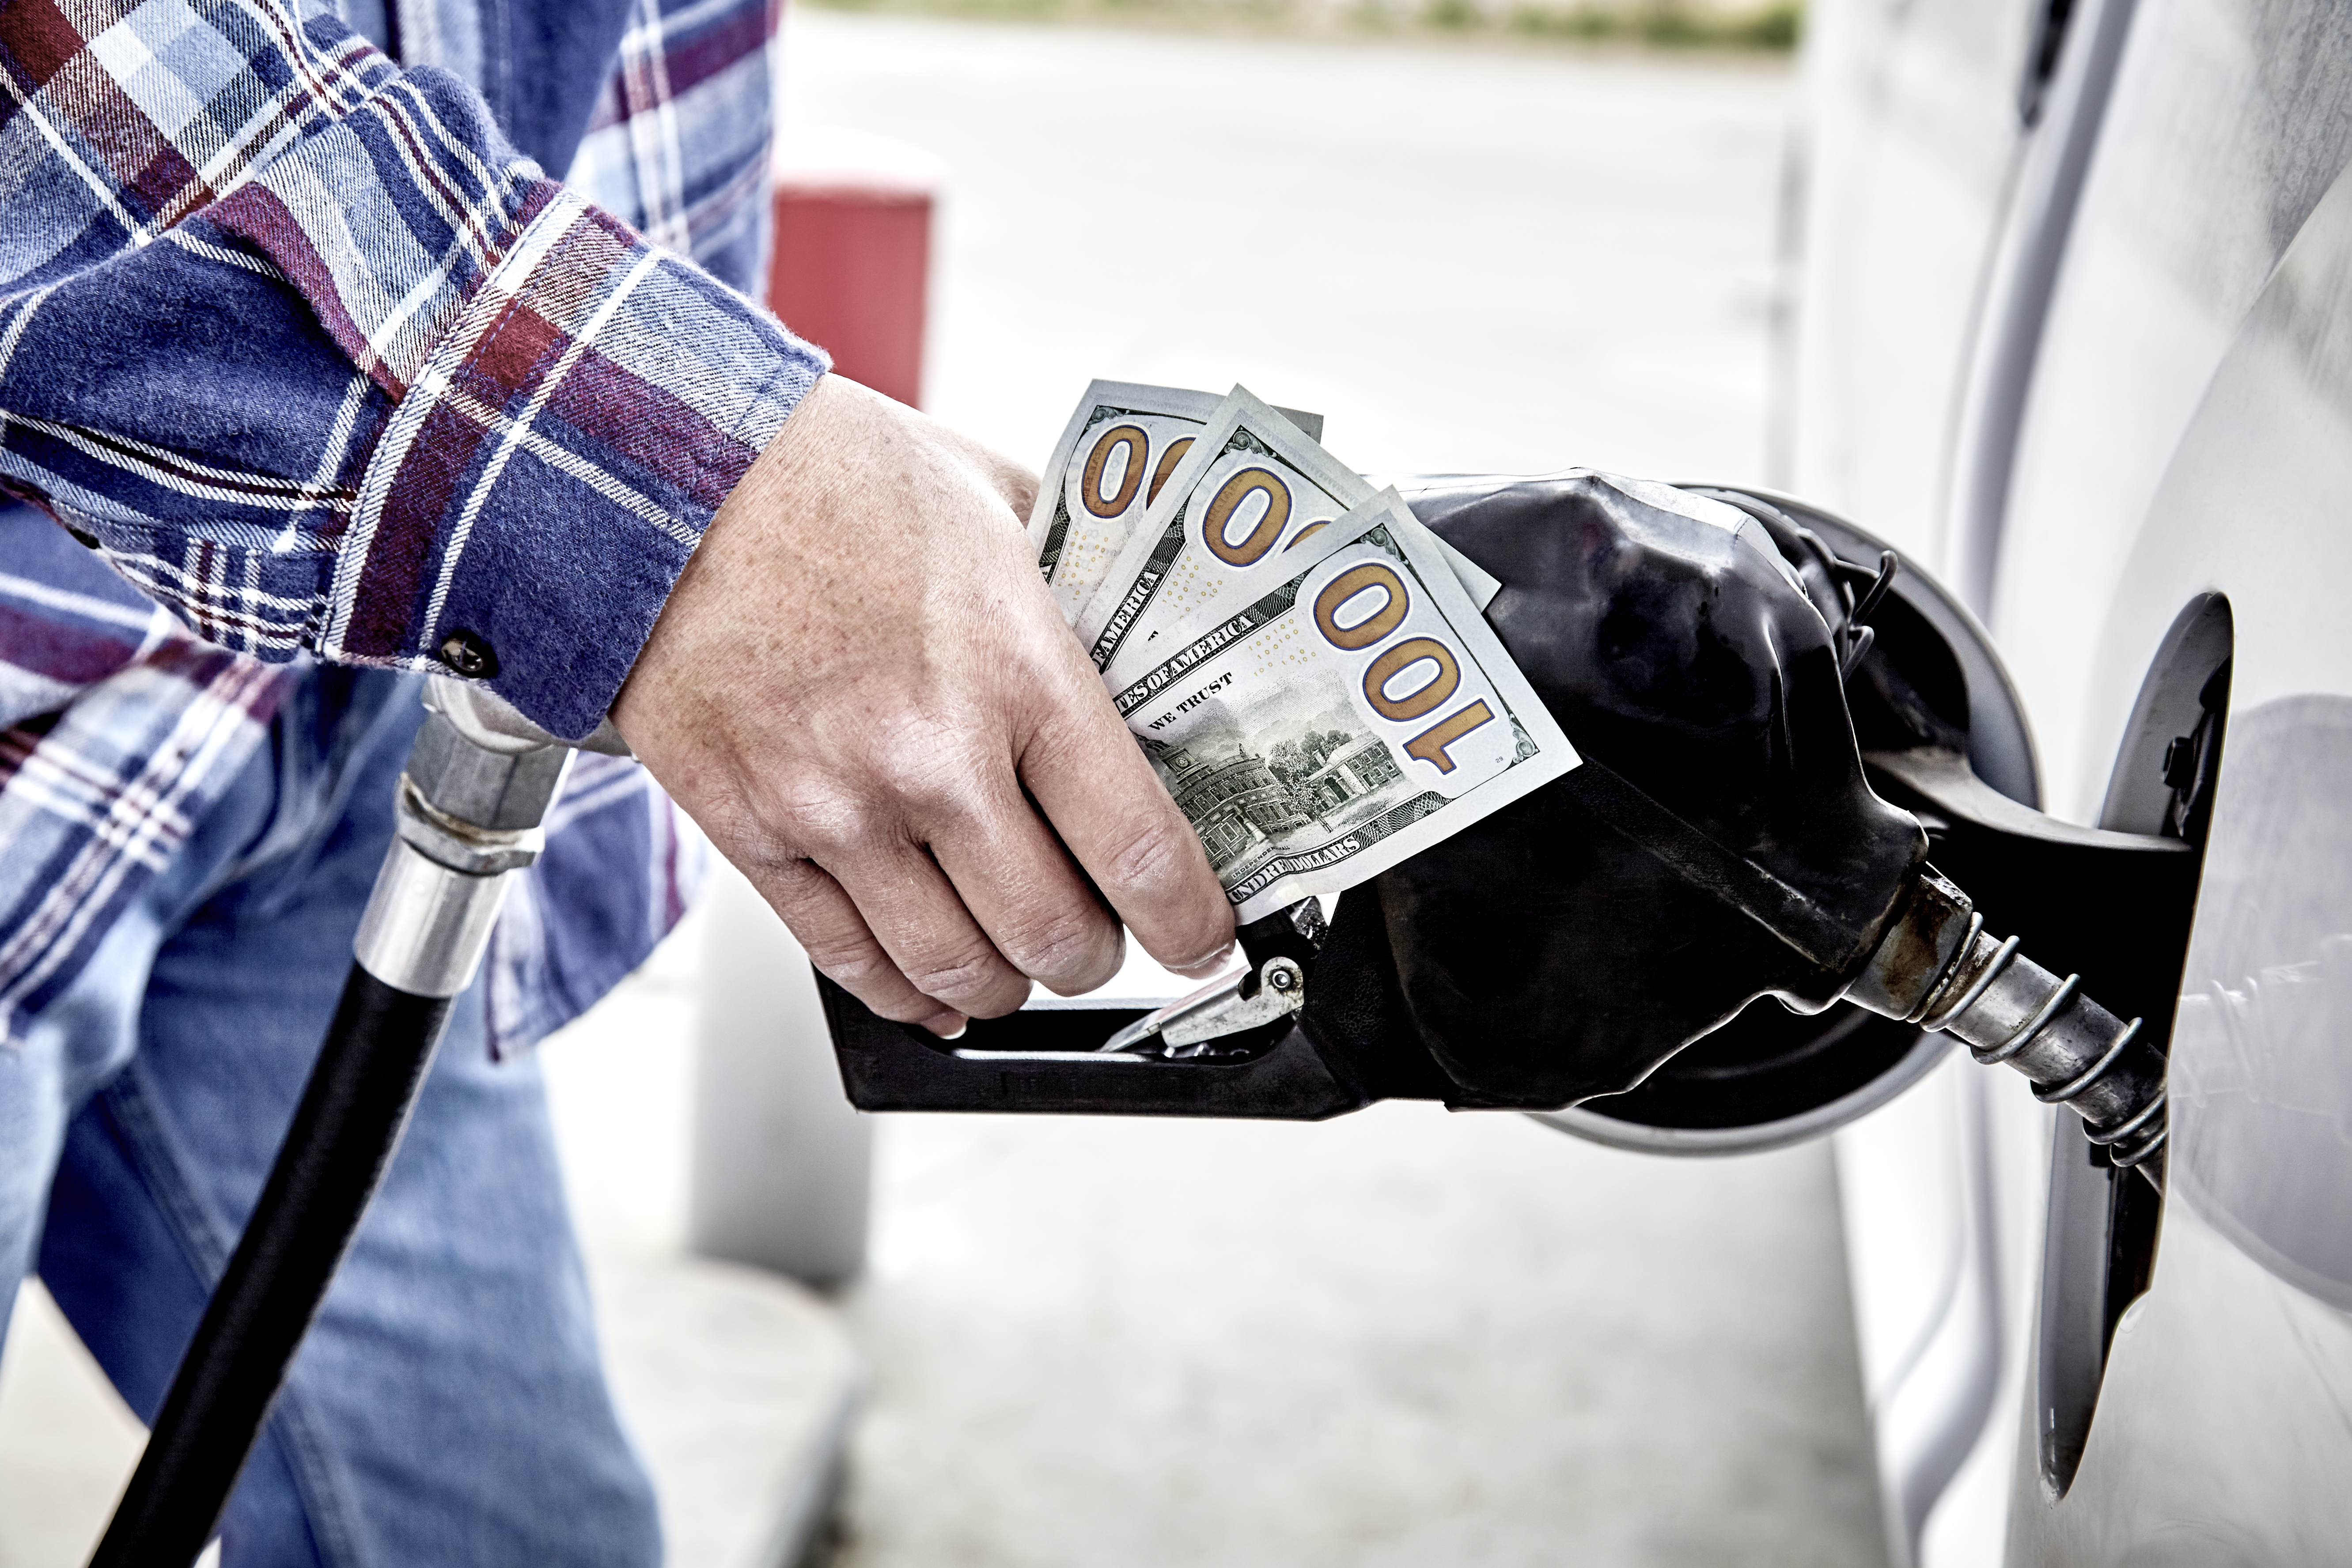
(333,368)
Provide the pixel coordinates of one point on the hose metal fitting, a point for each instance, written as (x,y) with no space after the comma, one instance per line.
(479,780)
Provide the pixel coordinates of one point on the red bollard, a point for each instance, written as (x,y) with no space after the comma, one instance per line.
(852,263)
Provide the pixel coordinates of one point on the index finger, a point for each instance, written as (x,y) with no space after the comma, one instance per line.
(1090,778)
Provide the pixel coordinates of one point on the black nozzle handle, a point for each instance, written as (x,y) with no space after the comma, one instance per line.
(344,1130)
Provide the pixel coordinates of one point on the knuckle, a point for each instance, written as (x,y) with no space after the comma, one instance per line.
(789,880)
(830,822)
(966,973)
(1153,854)
(856,967)
(934,772)
(974,980)
(899,767)
(900,763)
(1063,945)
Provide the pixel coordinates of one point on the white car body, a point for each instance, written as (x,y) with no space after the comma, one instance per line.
(2092,360)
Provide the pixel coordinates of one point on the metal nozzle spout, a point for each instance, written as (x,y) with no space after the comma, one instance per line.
(1938,968)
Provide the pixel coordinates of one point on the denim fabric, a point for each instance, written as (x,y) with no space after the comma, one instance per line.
(449,1407)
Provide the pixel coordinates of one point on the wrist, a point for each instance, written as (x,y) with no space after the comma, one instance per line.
(537,494)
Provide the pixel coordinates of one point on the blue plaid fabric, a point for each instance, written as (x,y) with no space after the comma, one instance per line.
(308,352)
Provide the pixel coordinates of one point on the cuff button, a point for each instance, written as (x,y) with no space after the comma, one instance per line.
(467,653)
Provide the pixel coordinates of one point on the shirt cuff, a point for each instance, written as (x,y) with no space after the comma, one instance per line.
(542,481)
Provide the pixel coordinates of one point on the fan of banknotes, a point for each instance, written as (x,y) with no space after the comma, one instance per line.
(1308,667)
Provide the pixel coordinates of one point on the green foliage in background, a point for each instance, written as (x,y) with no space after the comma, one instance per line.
(1742,25)
(1771,26)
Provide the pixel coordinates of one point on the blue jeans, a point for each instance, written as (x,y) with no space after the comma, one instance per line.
(450,1406)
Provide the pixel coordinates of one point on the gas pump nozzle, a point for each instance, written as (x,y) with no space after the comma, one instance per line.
(1723,839)
(1774,735)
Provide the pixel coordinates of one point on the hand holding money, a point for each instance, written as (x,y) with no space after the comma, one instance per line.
(1304,662)
(862,692)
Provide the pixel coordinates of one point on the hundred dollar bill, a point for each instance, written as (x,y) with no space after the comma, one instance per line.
(1223,516)
(1355,712)
(1250,486)
(1119,447)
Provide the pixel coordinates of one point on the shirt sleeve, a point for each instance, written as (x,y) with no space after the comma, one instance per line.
(320,363)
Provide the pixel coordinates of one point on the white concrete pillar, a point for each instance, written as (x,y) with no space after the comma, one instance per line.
(783,1167)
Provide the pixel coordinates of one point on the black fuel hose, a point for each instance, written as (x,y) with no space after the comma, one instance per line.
(344,1130)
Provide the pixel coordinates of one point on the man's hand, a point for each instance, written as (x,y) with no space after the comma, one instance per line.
(862,692)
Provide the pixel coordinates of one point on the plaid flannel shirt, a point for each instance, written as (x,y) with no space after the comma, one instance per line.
(303,346)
